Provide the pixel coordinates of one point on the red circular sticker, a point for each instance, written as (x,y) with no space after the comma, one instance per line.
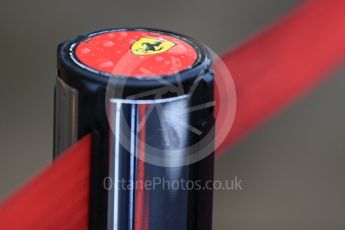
(136,53)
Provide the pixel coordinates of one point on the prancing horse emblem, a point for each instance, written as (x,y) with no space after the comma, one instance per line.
(149,45)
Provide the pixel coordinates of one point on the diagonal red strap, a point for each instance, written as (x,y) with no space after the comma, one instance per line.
(57,198)
(269,72)
(280,64)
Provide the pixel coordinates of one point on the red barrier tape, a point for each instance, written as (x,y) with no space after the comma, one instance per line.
(269,72)
(57,198)
(274,68)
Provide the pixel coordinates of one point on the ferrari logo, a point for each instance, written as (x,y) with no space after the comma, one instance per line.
(148,45)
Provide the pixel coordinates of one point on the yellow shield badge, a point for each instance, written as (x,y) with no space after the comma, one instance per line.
(148,45)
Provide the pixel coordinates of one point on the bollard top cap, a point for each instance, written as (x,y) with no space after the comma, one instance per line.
(139,59)
(135,53)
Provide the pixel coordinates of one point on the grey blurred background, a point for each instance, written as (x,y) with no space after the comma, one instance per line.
(292,167)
